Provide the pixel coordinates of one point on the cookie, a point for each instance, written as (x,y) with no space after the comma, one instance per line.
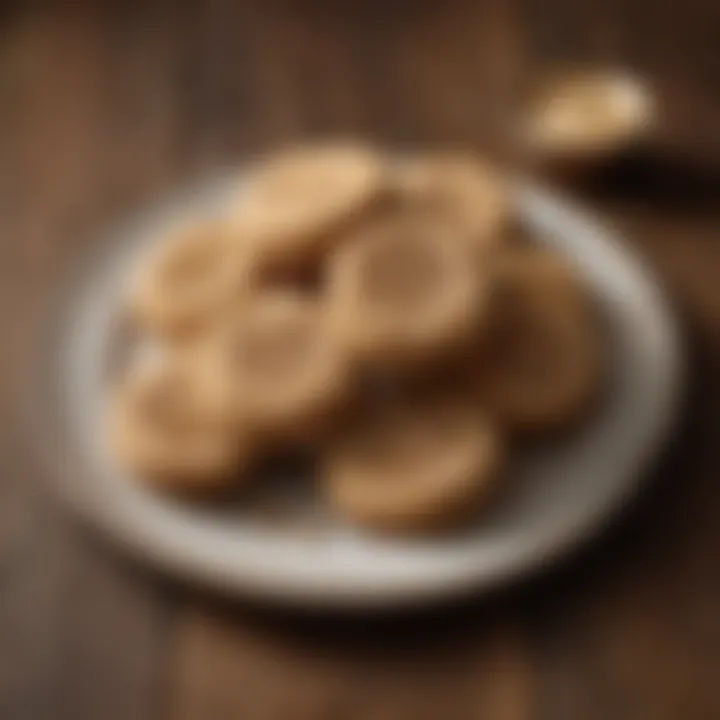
(460,190)
(540,363)
(280,366)
(188,278)
(583,113)
(415,467)
(403,292)
(172,435)
(295,205)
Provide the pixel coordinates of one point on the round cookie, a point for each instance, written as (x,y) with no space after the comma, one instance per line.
(540,362)
(585,113)
(402,292)
(189,277)
(415,467)
(460,190)
(295,204)
(172,435)
(280,366)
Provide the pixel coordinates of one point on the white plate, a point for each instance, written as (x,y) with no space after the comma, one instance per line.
(558,496)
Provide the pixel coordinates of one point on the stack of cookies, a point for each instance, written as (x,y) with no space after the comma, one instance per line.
(377,311)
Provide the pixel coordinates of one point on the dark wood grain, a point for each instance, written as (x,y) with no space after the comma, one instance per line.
(107,104)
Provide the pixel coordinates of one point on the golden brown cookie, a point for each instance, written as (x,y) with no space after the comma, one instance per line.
(402,292)
(541,360)
(187,279)
(459,190)
(584,113)
(280,366)
(173,435)
(414,467)
(294,206)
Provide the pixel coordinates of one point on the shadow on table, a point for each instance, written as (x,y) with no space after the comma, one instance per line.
(677,184)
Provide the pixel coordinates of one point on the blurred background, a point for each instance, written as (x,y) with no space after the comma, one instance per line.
(105,106)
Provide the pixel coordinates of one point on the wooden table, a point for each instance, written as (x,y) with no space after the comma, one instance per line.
(104,106)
